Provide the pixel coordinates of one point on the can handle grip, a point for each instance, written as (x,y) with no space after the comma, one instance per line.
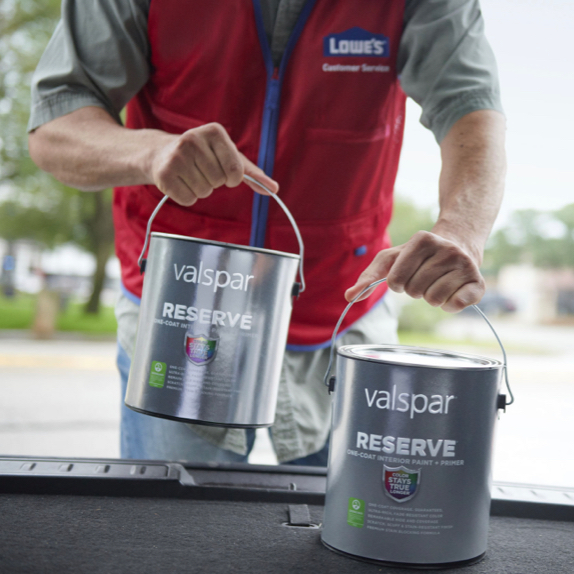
(301,287)
(330,381)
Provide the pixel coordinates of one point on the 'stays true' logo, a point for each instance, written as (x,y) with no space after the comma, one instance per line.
(200,350)
(401,484)
(356,42)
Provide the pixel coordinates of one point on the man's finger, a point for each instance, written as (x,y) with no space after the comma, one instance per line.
(176,188)
(442,288)
(209,165)
(469,294)
(378,269)
(447,262)
(197,183)
(228,157)
(259,175)
(413,256)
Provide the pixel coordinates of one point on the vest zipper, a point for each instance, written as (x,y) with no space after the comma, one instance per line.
(268,137)
(266,158)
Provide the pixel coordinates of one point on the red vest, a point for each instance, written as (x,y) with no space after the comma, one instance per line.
(327,125)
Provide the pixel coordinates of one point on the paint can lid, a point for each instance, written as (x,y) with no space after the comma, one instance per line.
(157,234)
(417,357)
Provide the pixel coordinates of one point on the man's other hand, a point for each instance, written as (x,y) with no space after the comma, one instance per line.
(427,266)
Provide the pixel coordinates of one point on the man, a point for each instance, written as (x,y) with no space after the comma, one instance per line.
(310,93)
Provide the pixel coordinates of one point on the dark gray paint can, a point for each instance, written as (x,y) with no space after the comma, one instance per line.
(410,460)
(212,332)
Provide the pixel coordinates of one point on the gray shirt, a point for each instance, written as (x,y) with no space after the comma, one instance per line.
(99,56)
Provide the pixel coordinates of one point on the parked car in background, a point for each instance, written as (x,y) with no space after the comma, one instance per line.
(493,303)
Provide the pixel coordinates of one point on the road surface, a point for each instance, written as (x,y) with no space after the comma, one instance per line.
(61,398)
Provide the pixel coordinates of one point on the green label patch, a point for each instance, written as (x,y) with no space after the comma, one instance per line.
(356,512)
(157,374)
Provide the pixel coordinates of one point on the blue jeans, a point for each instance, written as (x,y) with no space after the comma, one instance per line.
(147,437)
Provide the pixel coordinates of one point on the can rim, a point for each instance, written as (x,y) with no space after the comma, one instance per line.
(223,244)
(478,362)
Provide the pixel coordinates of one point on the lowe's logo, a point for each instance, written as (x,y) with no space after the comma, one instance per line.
(356,42)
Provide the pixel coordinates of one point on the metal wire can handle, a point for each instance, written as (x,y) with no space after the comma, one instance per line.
(328,380)
(142,261)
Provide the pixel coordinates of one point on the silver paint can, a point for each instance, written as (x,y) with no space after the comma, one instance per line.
(212,331)
(409,470)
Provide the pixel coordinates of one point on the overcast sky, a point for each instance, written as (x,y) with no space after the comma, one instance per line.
(534,44)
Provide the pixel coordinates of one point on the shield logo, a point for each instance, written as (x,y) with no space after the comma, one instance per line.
(401,484)
(201,350)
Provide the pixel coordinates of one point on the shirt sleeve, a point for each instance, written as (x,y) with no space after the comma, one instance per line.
(445,63)
(97,56)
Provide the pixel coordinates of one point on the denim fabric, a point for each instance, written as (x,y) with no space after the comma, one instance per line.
(316,459)
(147,437)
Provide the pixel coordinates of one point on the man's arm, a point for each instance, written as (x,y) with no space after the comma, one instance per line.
(442,266)
(78,90)
(89,150)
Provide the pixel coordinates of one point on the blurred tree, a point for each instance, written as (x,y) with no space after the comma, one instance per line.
(566,217)
(408,219)
(501,251)
(33,204)
(542,238)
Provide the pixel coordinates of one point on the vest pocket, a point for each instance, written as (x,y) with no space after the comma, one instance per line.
(176,123)
(348,136)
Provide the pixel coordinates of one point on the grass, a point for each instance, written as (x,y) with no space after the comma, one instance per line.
(18,313)
(75,319)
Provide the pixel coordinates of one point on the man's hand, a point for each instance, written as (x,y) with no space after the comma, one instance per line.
(88,150)
(202,159)
(427,266)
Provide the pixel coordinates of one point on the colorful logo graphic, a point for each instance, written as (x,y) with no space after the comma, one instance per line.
(356,42)
(356,512)
(200,350)
(401,484)
(157,374)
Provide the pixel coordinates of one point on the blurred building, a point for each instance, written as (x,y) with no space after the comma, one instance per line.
(541,295)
